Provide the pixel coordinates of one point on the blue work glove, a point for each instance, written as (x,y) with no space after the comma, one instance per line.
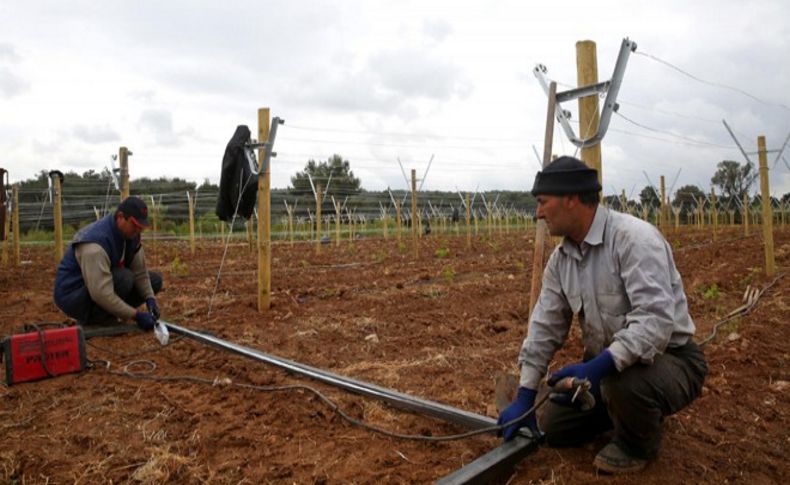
(145,320)
(153,308)
(525,399)
(593,370)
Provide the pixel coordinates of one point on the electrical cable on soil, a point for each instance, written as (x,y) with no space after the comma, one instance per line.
(126,372)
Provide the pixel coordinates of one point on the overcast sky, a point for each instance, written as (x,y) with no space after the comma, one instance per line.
(376,81)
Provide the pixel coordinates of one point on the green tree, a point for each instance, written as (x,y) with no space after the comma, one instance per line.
(648,197)
(343,180)
(733,179)
(687,196)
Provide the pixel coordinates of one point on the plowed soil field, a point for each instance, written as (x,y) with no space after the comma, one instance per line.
(440,326)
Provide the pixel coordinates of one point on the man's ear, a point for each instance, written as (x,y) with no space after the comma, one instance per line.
(572,200)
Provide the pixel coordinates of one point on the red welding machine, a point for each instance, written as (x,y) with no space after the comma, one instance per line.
(43,353)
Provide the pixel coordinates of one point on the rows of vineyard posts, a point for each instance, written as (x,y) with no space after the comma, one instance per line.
(53,213)
(189,214)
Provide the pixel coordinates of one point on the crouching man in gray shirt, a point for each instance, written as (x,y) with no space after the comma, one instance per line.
(618,275)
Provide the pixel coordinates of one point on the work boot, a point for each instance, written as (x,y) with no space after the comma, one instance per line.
(612,459)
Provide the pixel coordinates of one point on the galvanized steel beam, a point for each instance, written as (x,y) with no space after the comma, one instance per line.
(494,465)
(394,398)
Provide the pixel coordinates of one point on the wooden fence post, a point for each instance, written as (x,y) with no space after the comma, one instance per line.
(15,224)
(768,220)
(468,222)
(318,202)
(123,161)
(414,212)
(586,75)
(714,213)
(264,217)
(57,213)
(191,209)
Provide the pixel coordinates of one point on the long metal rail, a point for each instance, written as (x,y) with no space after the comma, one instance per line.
(394,398)
(485,469)
(494,465)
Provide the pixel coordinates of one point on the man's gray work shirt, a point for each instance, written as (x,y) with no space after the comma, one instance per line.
(623,283)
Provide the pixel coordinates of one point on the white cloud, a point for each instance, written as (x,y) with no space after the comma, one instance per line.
(172,80)
(11,84)
(96,134)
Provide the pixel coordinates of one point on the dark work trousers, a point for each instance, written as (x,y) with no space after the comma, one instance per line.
(635,403)
(123,285)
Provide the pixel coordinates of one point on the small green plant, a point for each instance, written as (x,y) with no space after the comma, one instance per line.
(178,267)
(448,274)
(402,248)
(711,292)
(305,263)
(442,253)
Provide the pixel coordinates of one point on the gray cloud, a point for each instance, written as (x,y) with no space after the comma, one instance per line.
(10,84)
(344,91)
(412,72)
(8,53)
(95,134)
(437,29)
(158,124)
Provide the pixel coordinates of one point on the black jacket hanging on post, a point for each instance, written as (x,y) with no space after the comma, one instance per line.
(237,183)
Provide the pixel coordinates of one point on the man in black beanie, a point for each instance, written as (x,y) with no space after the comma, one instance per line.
(617,273)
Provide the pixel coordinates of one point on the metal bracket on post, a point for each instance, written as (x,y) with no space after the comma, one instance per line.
(611,88)
(249,149)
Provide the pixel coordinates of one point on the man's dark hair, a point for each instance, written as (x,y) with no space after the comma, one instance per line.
(590,199)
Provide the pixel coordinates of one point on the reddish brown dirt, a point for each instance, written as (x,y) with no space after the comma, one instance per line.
(436,327)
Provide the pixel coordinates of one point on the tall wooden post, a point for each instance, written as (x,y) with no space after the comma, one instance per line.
(57,214)
(468,222)
(398,220)
(291,224)
(337,224)
(191,224)
(6,239)
(155,224)
(714,214)
(663,219)
(264,217)
(745,214)
(414,211)
(587,74)
(3,215)
(541,229)
(768,220)
(318,201)
(123,161)
(15,224)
